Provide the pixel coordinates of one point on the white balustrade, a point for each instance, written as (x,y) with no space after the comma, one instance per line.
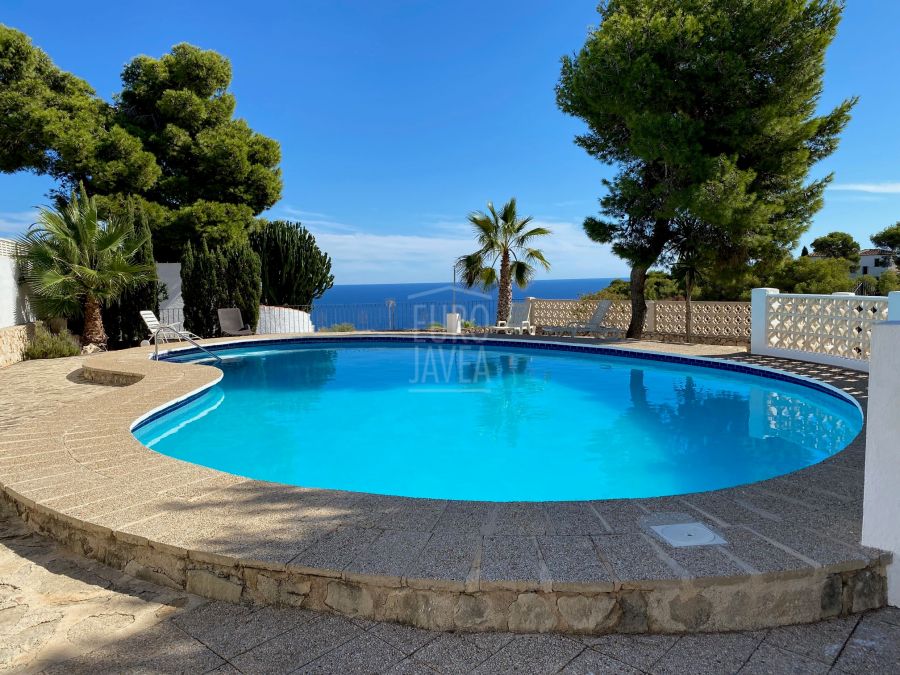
(829,329)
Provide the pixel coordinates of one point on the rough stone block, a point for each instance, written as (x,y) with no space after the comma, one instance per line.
(533,613)
(832,592)
(425,609)
(866,590)
(211,585)
(349,599)
(632,612)
(483,611)
(586,614)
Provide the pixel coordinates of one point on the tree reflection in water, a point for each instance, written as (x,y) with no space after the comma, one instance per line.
(719,432)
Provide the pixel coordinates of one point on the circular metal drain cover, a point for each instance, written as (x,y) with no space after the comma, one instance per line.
(687,534)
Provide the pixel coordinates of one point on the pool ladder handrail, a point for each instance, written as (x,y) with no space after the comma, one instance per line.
(181,335)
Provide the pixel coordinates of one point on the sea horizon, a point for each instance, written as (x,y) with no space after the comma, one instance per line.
(418,305)
(443,291)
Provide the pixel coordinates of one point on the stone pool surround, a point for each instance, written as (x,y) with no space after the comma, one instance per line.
(582,567)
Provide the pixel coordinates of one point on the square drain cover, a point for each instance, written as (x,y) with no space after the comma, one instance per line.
(687,534)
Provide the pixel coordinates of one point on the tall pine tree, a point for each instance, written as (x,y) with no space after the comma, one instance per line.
(709,111)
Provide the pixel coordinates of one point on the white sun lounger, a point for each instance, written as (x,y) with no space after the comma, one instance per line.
(595,326)
(177,332)
(519,321)
(232,323)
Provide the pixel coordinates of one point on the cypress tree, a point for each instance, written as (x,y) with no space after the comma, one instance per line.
(122,320)
(227,276)
(240,268)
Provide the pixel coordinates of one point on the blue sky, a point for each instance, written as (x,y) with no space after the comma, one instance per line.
(397,118)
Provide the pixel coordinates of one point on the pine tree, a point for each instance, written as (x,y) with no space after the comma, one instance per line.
(709,109)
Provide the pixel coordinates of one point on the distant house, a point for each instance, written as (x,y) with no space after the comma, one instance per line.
(872,261)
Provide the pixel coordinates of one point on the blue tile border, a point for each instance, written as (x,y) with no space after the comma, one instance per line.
(162,412)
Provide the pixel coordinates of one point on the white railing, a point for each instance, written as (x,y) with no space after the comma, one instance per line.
(829,329)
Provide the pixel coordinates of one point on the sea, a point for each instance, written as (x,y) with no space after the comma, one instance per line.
(419,305)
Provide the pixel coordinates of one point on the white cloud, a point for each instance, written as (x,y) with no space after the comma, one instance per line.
(310,219)
(875,188)
(14,223)
(300,213)
(366,257)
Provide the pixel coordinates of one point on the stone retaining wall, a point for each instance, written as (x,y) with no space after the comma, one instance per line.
(13,341)
(655,606)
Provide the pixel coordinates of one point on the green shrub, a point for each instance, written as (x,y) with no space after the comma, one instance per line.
(339,328)
(868,285)
(214,279)
(47,345)
(888,281)
(295,271)
(814,275)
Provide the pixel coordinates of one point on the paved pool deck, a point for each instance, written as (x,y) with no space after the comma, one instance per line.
(65,613)
(71,470)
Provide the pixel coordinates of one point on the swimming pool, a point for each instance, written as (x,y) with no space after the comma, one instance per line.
(497,420)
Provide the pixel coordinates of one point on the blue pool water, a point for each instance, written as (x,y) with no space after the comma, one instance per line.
(497,423)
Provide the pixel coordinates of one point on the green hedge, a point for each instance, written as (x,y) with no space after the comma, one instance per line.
(211,279)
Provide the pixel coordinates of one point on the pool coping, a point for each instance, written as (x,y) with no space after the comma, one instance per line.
(793,553)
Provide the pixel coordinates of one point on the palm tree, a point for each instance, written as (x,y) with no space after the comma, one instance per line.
(74,262)
(504,239)
(694,256)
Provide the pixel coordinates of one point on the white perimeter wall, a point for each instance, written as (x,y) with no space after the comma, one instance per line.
(283,320)
(881,503)
(14,309)
(825,328)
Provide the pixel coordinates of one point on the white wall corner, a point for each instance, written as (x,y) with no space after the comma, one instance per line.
(894,306)
(881,501)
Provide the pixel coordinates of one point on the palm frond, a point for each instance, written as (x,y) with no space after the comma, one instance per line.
(533,255)
(468,267)
(488,277)
(525,237)
(521,273)
(70,254)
